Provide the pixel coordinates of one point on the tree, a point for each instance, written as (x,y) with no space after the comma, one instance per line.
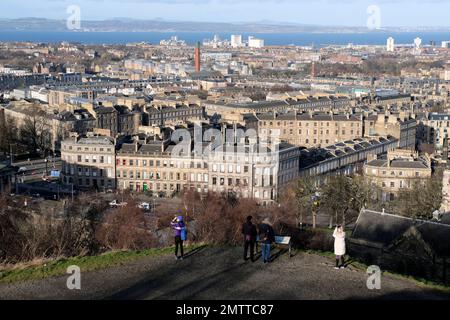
(36,132)
(305,191)
(343,195)
(8,133)
(419,202)
(125,228)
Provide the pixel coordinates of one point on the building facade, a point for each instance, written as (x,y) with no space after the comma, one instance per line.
(311,129)
(89,163)
(398,171)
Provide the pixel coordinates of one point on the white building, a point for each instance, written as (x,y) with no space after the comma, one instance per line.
(445,44)
(447,75)
(417,43)
(390,44)
(255,42)
(236,41)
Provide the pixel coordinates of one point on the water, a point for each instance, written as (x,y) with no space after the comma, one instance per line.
(300,39)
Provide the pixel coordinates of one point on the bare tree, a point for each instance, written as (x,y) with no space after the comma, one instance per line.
(36,132)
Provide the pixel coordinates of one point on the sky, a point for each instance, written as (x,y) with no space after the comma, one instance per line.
(392,13)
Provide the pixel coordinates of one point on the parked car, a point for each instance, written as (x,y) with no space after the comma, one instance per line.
(116,203)
(145,206)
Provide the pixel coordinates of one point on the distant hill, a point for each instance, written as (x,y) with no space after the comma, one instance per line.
(161,25)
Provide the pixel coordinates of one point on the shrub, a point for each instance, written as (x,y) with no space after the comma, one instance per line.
(126,228)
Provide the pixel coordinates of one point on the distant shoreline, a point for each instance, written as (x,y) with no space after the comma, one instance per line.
(271,39)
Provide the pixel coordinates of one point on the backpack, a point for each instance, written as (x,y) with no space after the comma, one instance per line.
(183,234)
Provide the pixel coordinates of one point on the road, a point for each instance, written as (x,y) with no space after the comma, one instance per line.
(34,170)
(221,273)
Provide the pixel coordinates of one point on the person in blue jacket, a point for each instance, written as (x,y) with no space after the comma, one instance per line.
(179,228)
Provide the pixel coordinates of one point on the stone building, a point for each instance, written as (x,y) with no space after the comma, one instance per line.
(172,115)
(398,171)
(89,162)
(400,126)
(311,129)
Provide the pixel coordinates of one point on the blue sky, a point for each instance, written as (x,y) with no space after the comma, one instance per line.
(321,12)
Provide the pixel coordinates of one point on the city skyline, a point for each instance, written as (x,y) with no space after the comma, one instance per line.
(352,13)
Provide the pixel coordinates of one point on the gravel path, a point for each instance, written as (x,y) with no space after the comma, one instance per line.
(220,273)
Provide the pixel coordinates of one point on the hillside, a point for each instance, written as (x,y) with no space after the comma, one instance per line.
(220,273)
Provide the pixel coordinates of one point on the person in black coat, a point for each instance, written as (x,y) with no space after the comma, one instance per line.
(249,232)
(267,237)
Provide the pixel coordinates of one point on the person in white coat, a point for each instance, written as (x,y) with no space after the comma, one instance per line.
(339,246)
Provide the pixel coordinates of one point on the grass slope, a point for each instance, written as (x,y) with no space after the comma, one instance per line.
(91,263)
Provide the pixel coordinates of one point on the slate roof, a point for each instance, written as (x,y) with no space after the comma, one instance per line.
(384,229)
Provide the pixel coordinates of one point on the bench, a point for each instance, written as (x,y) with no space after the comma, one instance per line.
(280,241)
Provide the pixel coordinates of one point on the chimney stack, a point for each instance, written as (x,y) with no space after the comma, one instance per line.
(197,58)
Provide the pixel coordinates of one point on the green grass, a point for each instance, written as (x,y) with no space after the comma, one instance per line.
(88,263)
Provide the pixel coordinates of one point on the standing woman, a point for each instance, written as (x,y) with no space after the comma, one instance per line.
(339,246)
(179,228)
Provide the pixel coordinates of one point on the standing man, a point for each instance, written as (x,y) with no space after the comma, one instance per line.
(267,237)
(179,228)
(249,232)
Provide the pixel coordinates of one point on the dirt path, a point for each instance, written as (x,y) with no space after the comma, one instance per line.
(220,273)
